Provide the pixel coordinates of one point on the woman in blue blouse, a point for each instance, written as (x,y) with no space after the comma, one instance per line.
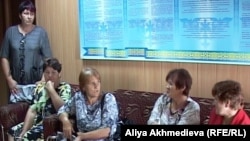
(24,48)
(95,121)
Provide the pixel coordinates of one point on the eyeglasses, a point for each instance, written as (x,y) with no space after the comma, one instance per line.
(22,56)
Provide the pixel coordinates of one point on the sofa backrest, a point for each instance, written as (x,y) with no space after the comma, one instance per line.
(247,108)
(74,88)
(136,105)
(206,105)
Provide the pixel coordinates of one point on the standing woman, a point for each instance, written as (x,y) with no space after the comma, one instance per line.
(24,48)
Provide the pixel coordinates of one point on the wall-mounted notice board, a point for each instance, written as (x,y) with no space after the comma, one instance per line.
(202,31)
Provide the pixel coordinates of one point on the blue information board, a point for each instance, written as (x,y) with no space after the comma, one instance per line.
(204,31)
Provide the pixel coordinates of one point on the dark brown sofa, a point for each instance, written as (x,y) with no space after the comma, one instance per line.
(135,105)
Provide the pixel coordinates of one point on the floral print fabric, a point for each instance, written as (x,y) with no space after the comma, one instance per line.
(42,104)
(92,117)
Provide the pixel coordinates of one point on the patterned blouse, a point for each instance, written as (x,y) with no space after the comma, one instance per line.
(42,104)
(161,113)
(92,117)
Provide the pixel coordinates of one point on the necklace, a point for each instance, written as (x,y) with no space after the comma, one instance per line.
(175,116)
(171,111)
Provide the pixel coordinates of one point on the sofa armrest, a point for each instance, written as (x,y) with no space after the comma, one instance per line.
(12,114)
(51,125)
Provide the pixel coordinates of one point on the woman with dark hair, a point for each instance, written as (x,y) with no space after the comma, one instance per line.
(176,107)
(49,96)
(23,50)
(228,100)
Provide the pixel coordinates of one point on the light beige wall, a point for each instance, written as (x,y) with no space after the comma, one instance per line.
(60,19)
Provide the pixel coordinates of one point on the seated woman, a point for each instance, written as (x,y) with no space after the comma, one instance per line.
(49,96)
(96,115)
(176,107)
(228,109)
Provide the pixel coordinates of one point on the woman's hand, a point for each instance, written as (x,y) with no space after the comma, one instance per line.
(38,82)
(12,85)
(67,129)
(79,136)
(50,87)
(20,137)
(77,139)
